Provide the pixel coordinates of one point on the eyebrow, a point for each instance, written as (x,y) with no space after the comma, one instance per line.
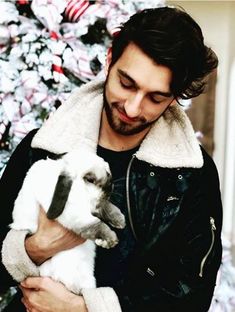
(125,75)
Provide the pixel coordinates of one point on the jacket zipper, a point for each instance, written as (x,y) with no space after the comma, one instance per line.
(128,195)
(213,229)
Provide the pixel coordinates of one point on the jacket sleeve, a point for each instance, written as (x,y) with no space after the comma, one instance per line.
(181,274)
(15,257)
(10,184)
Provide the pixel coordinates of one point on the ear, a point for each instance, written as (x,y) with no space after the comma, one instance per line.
(56,156)
(108,61)
(60,196)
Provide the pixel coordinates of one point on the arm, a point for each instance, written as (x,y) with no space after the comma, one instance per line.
(21,253)
(46,295)
(50,238)
(10,184)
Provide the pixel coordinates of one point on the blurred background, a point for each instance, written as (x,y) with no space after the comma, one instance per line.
(47,48)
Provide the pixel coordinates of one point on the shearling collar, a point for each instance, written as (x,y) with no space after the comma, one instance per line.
(171,141)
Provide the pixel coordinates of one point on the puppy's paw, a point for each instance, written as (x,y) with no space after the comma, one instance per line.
(106,243)
(119,222)
(100,242)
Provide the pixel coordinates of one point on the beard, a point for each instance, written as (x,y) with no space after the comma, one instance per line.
(124,128)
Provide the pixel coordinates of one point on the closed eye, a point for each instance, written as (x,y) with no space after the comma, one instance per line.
(125,81)
(90,178)
(159,99)
(154,100)
(126,84)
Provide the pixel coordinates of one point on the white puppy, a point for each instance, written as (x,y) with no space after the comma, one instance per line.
(73,189)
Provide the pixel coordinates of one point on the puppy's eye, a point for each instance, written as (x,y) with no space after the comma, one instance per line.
(90,178)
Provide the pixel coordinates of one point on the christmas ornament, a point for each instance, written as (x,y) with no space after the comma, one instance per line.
(75,9)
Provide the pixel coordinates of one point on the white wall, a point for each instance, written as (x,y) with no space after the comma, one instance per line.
(217,20)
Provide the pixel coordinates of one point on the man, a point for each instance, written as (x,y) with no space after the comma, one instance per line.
(165,184)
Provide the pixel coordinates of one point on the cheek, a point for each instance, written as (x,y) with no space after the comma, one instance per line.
(109,94)
(152,113)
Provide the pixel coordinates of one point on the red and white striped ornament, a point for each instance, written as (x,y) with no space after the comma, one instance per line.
(57,70)
(75,9)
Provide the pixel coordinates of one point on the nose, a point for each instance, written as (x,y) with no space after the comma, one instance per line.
(133,105)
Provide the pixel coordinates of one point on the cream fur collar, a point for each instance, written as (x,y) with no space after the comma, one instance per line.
(171,142)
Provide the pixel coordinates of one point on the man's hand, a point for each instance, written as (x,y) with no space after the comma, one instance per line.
(42,294)
(50,238)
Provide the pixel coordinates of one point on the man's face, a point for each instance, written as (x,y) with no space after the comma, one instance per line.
(137,92)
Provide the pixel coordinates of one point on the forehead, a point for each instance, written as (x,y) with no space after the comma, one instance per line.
(143,70)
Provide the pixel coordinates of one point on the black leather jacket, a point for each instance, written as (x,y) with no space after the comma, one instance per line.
(176,217)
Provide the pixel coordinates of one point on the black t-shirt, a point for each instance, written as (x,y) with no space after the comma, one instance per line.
(111,264)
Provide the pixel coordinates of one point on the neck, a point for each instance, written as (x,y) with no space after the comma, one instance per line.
(110,139)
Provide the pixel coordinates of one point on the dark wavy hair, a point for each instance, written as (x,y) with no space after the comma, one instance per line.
(171,38)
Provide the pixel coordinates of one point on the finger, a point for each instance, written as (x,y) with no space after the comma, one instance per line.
(26,304)
(33,282)
(28,296)
(43,221)
(42,215)
(29,304)
(25,291)
(78,238)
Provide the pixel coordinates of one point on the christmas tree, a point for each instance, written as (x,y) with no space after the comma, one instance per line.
(47,49)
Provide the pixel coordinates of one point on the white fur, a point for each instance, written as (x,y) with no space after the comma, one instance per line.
(74,267)
(171,141)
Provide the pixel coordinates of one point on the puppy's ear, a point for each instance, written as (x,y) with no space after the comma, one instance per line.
(56,156)
(60,196)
